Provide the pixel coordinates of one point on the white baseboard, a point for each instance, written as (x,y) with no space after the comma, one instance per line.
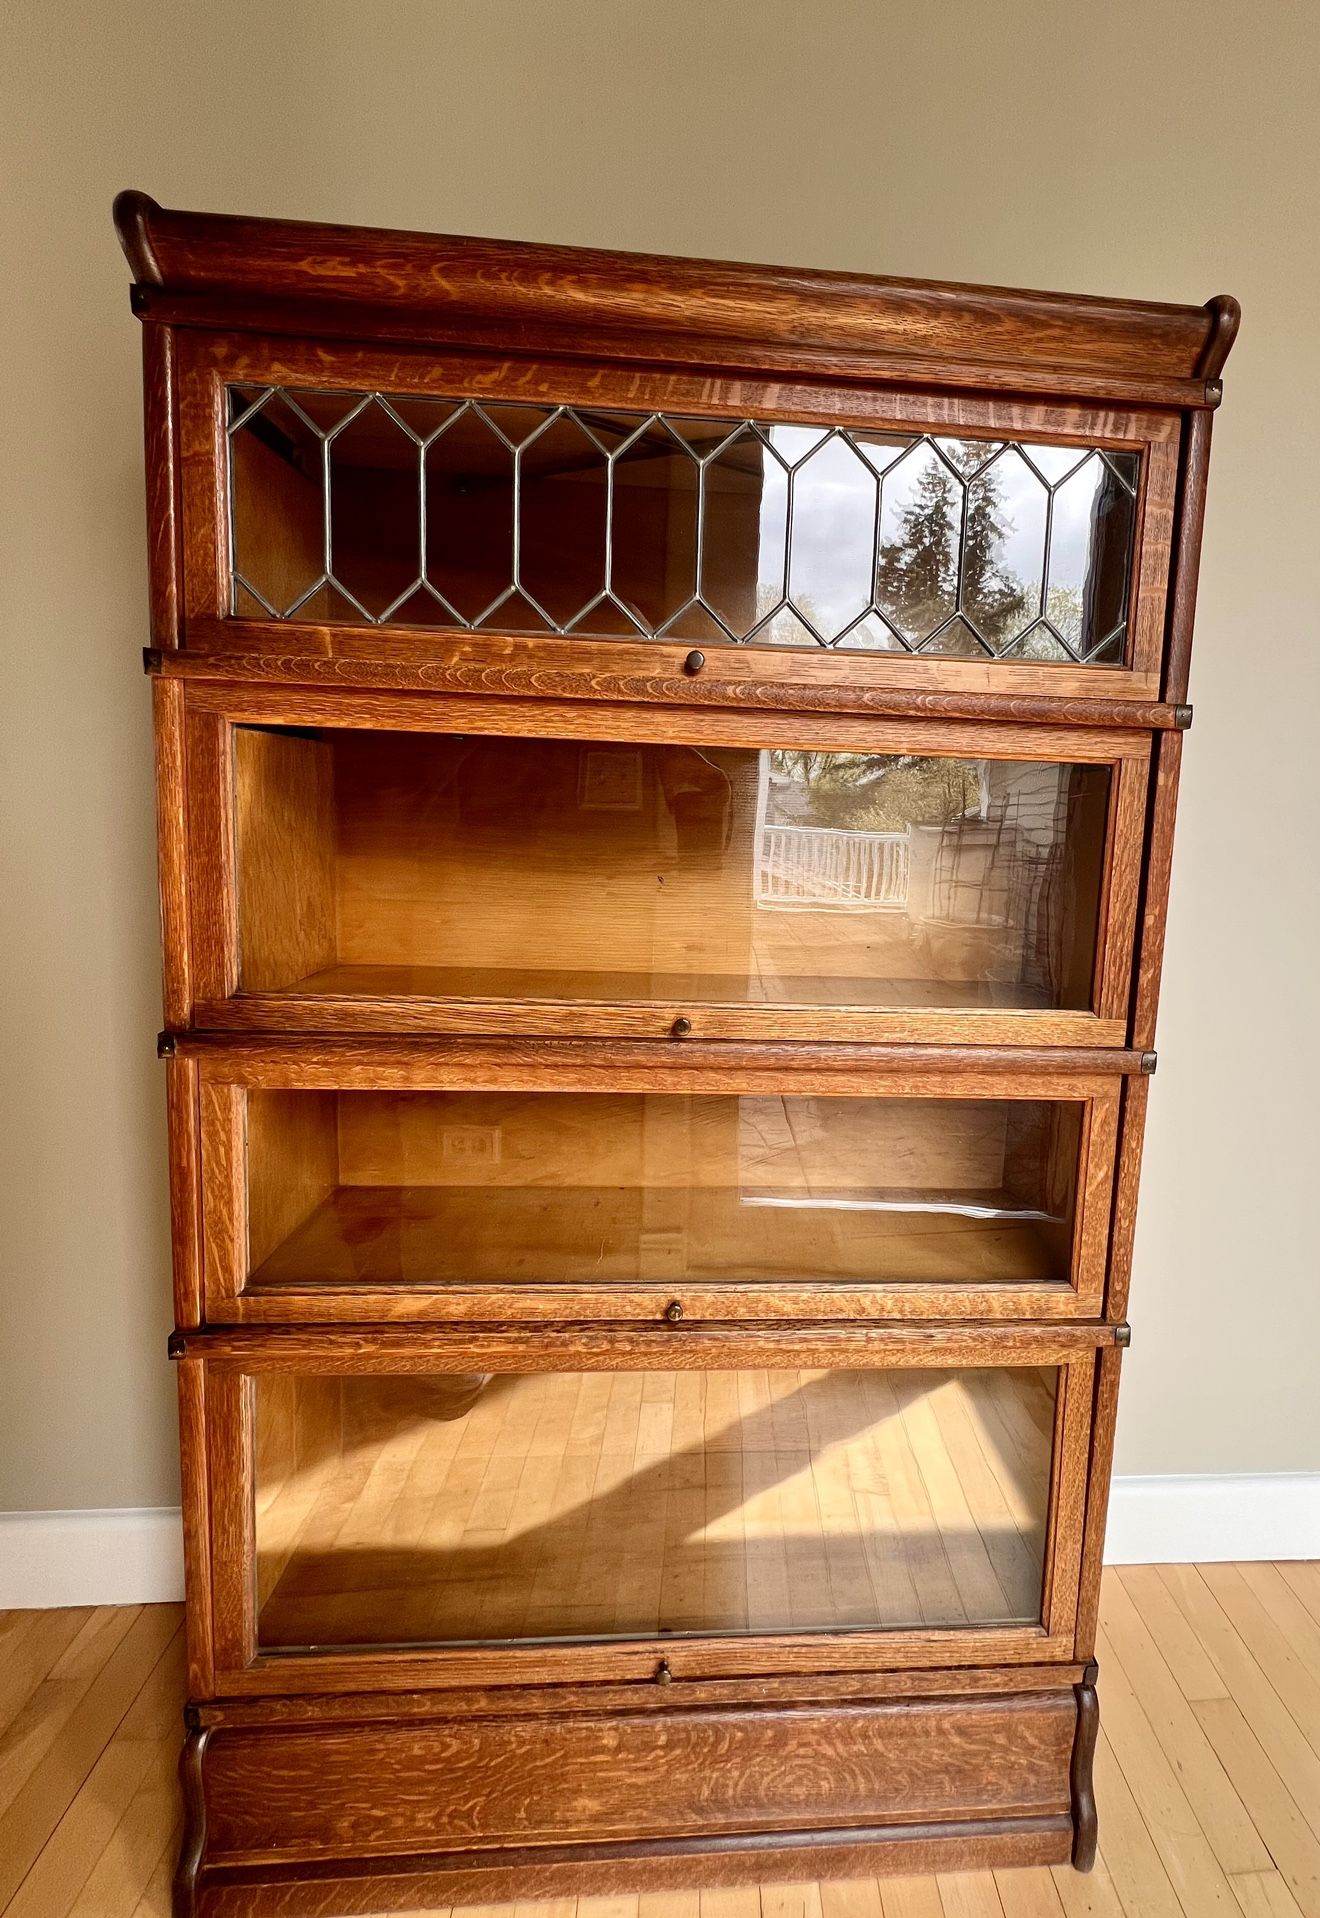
(135,1557)
(125,1557)
(1236,1515)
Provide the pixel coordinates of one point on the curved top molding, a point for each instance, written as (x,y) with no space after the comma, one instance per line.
(285,275)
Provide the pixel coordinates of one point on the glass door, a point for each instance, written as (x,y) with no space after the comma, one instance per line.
(943,884)
(603,1501)
(972,1195)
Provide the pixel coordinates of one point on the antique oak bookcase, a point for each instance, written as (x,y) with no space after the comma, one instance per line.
(666,780)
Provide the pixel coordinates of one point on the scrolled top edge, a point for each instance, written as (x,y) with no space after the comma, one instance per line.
(133,212)
(231,265)
(1225,316)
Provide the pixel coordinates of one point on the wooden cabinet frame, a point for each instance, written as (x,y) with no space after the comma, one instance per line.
(316,1783)
(204,898)
(224,1073)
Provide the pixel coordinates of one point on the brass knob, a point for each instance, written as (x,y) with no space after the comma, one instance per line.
(674,1311)
(681,1028)
(694,662)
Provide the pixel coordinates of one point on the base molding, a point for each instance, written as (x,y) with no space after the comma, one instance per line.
(440,1881)
(134,1556)
(125,1556)
(383,1810)
(1204,1518)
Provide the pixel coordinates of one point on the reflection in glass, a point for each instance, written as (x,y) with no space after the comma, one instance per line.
(834,502)
(367,507)
(427,1190)
(596,1504)
(547,869)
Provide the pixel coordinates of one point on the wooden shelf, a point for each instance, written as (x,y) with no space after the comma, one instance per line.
(439,1236)
(801,992)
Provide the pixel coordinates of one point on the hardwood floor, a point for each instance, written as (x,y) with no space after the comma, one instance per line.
(1208,1772)
(567,1504)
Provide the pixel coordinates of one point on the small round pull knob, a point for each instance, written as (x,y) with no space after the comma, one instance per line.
(681,1028)
(694,662)
(674,1311)
(663,1675)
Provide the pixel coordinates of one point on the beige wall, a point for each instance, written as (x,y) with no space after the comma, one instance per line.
(1141,147)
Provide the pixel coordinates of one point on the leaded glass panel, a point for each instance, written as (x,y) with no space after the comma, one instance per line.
(487,516)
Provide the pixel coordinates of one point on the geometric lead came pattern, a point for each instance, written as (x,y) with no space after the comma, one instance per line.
(379,509)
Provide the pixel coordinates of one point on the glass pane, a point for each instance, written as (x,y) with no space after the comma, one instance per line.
(586,870)
(277,529)
(586,1505)
(426,1190)
(535,519)
(375,534)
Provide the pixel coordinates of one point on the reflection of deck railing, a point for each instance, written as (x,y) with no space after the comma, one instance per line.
(825,867)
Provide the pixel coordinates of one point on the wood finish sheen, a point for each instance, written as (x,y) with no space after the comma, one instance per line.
(275,652)
(694,312)
(354,1781)
(510,1783)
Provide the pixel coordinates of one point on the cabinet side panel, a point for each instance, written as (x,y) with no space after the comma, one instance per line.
(1159,863)
(1187,554)
(173,870)
(1097,1499)
(185,1167)
(161,453)
(195,1482)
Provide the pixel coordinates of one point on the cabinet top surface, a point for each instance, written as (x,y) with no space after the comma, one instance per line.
(284,276)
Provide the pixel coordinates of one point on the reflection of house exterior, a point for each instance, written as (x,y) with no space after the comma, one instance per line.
(991,880)
(816,866)
(981,893)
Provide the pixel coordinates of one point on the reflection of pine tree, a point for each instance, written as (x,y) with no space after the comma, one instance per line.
(919,573)
(870,793)
(996,600)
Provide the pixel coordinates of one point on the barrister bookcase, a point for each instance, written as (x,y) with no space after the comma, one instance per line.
(666,779)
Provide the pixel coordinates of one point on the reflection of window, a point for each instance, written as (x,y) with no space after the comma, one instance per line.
(968,1159)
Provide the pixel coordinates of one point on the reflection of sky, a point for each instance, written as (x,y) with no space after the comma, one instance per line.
(835,498)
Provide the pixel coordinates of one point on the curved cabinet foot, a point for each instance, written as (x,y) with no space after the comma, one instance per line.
(1080,1771)
(193,1844)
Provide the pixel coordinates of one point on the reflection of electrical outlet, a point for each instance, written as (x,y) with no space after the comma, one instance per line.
(471,1144)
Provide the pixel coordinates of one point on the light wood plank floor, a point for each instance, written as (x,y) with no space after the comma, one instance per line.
(574,1504)
(1208,1772)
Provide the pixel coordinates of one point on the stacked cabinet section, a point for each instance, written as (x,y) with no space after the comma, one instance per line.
(661,854)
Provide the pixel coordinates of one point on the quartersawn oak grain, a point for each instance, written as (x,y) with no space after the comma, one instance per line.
(590,302)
